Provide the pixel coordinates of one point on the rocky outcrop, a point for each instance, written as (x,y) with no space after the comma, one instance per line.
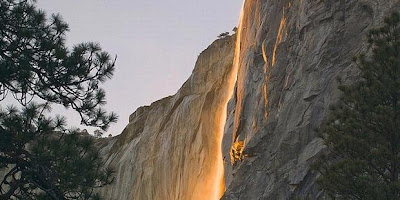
(290,55)
(171,149)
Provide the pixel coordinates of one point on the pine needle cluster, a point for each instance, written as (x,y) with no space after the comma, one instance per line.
(363,130)
(39,157)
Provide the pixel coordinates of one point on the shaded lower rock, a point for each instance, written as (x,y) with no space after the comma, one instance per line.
(291,54)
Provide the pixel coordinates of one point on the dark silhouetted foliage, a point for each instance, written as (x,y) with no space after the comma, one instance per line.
(235,29)
(223,35)
(363,131)
(40,157)
(34,61)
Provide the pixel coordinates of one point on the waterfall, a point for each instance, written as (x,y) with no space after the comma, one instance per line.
(219,183)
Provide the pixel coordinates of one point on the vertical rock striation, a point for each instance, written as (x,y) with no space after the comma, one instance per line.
(291,53)
(171,149)
(287,58)
(288,55)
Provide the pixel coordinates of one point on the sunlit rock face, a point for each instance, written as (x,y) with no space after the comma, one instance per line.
(291,53)
(171,149)
(288,55)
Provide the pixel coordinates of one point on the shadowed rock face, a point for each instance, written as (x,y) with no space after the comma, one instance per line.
(291,53)
(171,149)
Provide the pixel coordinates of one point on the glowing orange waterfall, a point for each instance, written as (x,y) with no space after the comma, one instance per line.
(219,183)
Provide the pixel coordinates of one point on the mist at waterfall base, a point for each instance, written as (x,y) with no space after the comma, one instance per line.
(157,43)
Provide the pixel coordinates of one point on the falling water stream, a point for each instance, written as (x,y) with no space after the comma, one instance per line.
(219,184)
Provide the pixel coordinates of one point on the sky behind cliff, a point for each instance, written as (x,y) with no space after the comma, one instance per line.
(157,43)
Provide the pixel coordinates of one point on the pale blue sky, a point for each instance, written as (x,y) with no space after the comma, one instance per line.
(157,43)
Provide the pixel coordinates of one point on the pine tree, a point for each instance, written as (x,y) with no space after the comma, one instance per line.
(363,130)
(39,157)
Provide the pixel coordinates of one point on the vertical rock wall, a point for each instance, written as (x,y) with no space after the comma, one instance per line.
(171,150)
(291,53)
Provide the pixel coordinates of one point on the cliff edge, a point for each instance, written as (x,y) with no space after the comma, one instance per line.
(282,72)
(171,149)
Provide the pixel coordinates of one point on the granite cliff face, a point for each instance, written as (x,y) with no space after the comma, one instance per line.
(290,55)
(286,59)
(171,149)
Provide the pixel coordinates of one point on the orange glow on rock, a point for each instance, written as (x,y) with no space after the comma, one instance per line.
(279,37)
(219,183)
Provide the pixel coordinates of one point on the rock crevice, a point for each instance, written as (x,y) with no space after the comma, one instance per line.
(291,54)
